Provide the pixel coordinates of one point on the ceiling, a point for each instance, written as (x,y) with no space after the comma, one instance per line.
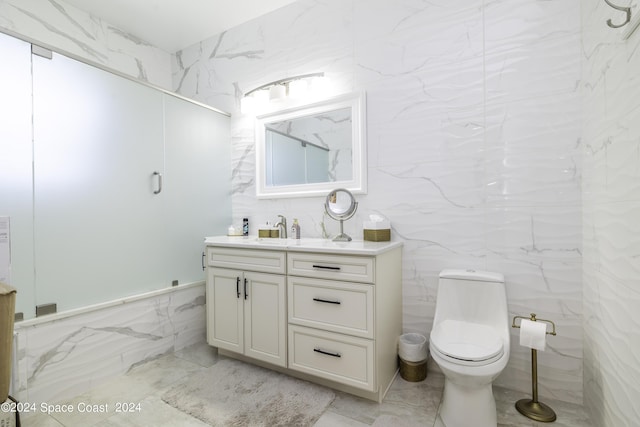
(175,24)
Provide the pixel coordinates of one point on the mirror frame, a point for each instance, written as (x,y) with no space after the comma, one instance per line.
(358,183)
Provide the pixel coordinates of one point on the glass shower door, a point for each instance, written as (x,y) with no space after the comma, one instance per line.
(98,139)
(197,198)
(16,182)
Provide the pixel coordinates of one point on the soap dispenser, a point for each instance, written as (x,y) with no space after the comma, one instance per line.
(295,229)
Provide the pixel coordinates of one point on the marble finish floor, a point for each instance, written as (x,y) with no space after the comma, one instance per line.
(406,404)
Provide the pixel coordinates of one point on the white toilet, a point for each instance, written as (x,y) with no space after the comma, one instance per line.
(470,343)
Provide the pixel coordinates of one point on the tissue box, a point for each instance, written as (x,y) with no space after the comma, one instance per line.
(377,231)
(267,232)
(264,232)
(377,235)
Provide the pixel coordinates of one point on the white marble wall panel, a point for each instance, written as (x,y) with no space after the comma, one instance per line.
(535,233)
(68,356)
(452,24)
(473,133)
(511,24)
(611,350)
(618,247)
(611,190)
(537,158)
(613,160)
(65,27)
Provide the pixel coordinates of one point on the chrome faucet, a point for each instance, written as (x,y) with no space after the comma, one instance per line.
(283,225)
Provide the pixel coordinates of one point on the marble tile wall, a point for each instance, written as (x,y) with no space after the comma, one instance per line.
(65,357)
(474,144)
(611,208)
(68,29)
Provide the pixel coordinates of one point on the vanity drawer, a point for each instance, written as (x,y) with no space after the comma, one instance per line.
(334,267)
(336,357)
(330,305)
(247,259)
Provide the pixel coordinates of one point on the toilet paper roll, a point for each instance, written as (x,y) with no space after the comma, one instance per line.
(533,334)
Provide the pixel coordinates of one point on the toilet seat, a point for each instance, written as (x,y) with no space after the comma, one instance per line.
(467,343)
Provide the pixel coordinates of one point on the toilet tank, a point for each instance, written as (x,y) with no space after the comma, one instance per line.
(472,296)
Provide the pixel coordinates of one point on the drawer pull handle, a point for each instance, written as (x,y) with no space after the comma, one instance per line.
(326,267)
(238,287)
(245,288)
(327,301)
(328,353)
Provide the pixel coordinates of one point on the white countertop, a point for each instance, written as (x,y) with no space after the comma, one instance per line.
(355,247)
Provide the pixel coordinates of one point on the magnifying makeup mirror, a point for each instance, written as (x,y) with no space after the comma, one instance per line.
(341,205)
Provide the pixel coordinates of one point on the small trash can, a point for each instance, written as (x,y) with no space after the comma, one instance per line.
(413,354)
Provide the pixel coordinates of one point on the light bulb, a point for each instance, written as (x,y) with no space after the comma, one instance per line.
(277,92)
(299,88)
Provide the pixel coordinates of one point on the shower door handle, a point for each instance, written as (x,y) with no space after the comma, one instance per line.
(159,175)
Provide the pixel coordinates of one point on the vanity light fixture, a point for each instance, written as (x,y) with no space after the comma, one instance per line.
(288,88)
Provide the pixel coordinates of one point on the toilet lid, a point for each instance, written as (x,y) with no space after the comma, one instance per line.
(467,342)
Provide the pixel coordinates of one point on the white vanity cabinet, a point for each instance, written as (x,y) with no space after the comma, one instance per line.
(246,303)
(341,313)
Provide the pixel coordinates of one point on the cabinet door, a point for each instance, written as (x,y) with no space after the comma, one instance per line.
(225,302)
(265,318)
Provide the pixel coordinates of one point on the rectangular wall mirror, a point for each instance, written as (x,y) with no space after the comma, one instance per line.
(312,149)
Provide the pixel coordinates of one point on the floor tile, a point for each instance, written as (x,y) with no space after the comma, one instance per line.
(201,354)
(331,419)
(39,420)
(407,404)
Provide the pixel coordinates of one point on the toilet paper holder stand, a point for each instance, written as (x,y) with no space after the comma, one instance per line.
(532,408)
